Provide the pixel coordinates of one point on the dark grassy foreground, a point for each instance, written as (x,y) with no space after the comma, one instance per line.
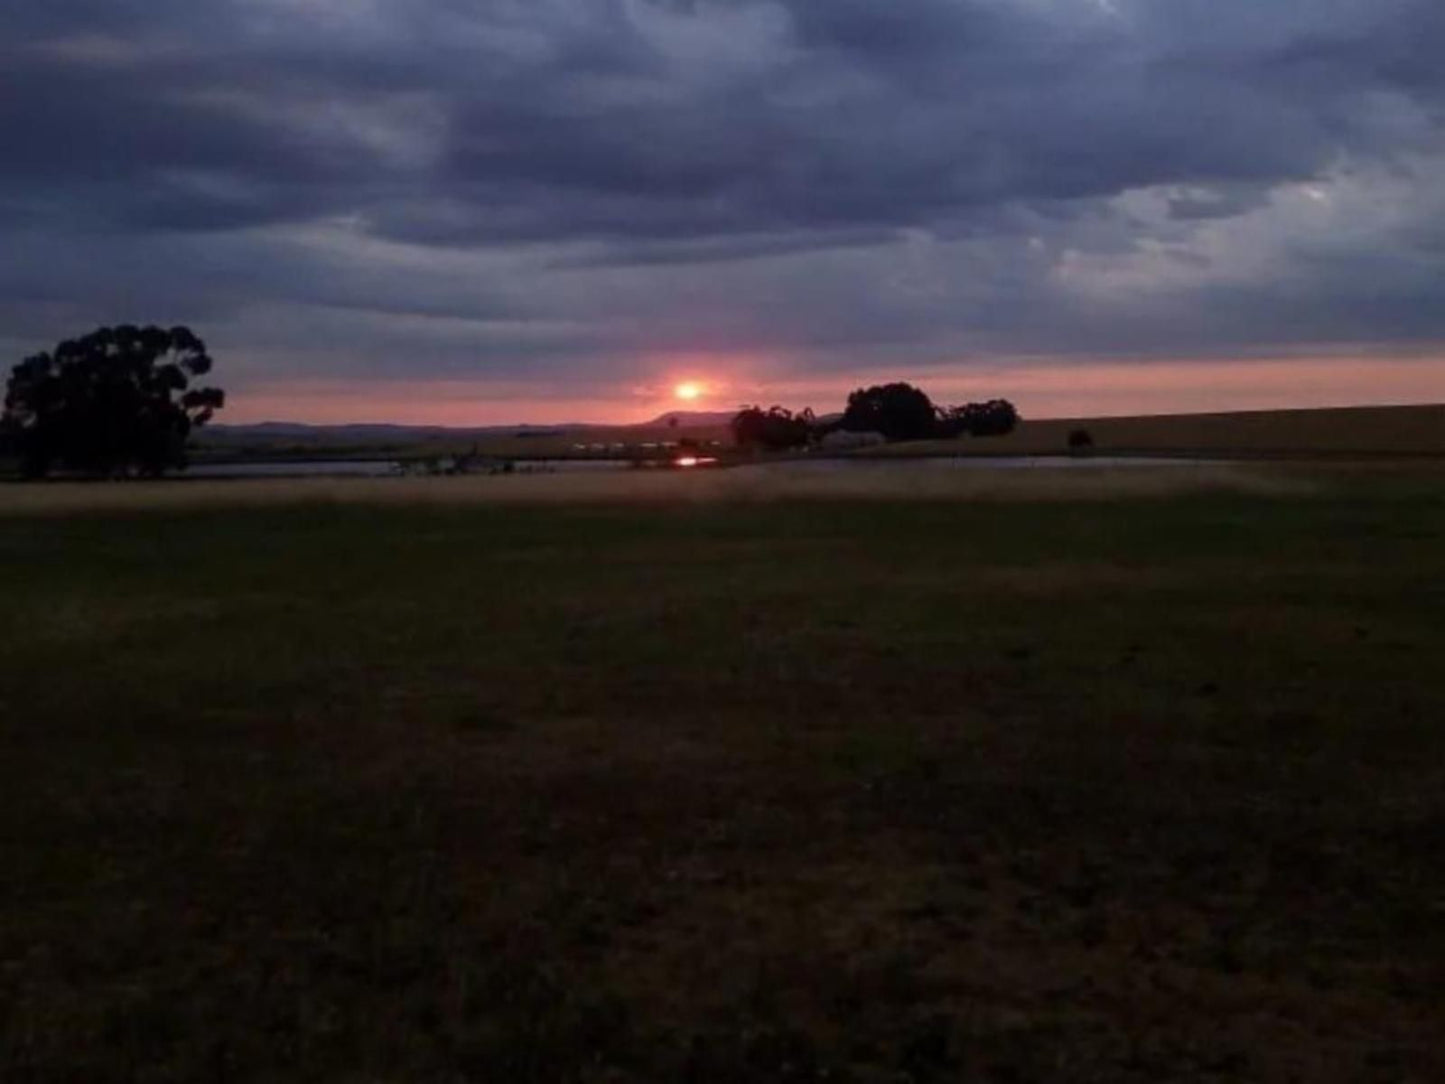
(1144,791)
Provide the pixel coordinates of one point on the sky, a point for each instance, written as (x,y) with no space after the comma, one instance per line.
(494,211)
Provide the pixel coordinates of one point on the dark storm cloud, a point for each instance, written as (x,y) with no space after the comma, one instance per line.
(919,112)
(789,173)
(570,121)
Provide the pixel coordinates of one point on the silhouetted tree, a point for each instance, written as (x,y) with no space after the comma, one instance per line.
(117,401)
(994,418)
(898,411)
(1080,441)
(774,430)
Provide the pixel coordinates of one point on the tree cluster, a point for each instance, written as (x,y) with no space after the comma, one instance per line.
(994,418)
(898,411)
(773,430)
(116,402)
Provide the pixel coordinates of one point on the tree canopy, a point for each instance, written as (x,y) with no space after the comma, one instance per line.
(898,411)
(116,402)
(774,430)
(994,418)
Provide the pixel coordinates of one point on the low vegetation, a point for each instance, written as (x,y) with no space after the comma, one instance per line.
(790,789)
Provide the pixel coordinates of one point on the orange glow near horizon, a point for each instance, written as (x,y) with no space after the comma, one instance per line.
(1044,389)
(688,391)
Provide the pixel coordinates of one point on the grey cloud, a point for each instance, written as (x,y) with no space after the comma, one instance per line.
(729,174)
(572,121)
(714,250)
(1202,203)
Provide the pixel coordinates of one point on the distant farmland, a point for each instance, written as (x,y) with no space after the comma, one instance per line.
(406,442)
(1346,431)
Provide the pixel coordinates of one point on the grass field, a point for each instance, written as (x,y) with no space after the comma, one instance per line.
(767,482)
(1145,785)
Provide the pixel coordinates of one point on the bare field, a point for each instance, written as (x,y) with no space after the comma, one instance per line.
(932,480)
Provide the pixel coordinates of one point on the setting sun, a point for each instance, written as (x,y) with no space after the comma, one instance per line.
(688,392)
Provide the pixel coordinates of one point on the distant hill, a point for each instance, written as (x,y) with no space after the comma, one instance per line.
(688,419)
(296,440)
(367,433)
(382,433)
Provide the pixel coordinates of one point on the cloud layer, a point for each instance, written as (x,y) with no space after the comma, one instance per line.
(584,194)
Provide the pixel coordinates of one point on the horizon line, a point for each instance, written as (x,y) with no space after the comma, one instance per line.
(1025,418)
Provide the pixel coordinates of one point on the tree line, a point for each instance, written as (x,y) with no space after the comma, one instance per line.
(897,412)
